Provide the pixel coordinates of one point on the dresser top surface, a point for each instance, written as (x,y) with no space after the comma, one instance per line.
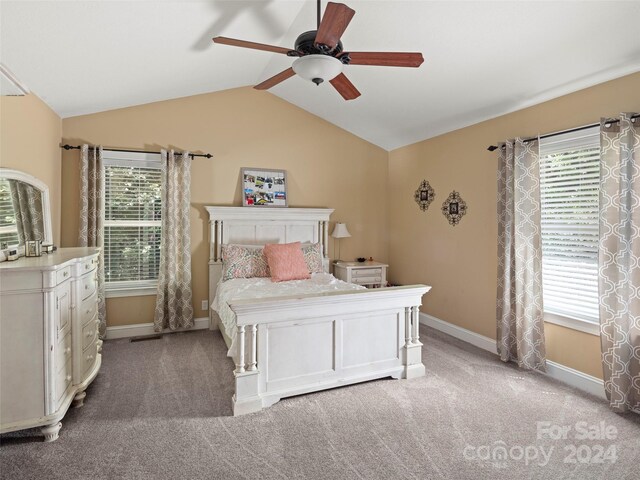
(366,264)
(49,261)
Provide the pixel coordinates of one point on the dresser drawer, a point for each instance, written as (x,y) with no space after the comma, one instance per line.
(367,280)
(63,380)
(89,333)
(89,265)
(63,352)
(88,308)
(89,358)
(366,272)
(63,274)
(88,285)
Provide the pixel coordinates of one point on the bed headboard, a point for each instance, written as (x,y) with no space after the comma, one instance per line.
(259,226)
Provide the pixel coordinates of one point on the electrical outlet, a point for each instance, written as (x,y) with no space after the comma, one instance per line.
(205,304)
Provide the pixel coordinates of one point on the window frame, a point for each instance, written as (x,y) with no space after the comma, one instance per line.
(111,158)
(566,319)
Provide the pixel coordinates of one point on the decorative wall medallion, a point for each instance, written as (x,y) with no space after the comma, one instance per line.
(454,207)
(424,195)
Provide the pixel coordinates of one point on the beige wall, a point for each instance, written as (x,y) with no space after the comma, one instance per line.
(30,141)
(327,167)
(460,262)
(371,190)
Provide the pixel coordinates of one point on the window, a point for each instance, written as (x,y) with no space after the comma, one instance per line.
(8,228)
(569,192)
(132,223)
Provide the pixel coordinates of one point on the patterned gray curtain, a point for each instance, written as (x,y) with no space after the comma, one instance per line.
(92,216)
(173,304)
(519,304)
(619,261)
(27,207)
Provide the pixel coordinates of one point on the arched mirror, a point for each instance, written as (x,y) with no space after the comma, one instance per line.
(25,212)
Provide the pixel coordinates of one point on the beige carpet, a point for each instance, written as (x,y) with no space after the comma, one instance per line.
(160,409)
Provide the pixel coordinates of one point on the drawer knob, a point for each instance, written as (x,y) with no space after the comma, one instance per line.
(64,274)
(89,358)
(67,350)
(86,267)
(68,377)
(86,287)
(90,334)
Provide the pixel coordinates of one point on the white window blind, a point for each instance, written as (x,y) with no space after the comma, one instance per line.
(8,228)
(569,191)
(132,226)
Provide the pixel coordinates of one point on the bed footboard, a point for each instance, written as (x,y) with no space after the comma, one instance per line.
(293,345)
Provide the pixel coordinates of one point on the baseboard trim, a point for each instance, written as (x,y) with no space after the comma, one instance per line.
(140,329)
(576,378)
(460,333)
(565,374)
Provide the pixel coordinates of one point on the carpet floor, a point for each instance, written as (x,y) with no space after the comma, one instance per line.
(161,409)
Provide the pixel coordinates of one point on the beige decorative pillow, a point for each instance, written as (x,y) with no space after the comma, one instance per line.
(240,261)
(313,257)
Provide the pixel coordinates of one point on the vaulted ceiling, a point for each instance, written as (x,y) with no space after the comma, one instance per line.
(482,58)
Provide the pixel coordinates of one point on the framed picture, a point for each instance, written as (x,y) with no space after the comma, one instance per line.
(263,187)
(454,208)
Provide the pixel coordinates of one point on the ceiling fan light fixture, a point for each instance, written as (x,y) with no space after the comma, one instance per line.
(317,68)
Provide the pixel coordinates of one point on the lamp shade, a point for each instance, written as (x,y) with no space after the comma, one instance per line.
(317,68)
(340,231)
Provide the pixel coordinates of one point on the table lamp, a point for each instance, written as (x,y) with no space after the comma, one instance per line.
(340,231)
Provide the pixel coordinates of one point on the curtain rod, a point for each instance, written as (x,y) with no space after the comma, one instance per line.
(77,147)
(491,148)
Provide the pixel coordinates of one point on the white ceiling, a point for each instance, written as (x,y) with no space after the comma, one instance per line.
(482,58)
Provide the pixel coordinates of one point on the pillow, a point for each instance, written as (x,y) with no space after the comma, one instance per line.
(312,254)
(240,261)
(286,262)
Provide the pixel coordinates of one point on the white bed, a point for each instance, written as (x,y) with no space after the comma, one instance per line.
(248,288)
(296,337)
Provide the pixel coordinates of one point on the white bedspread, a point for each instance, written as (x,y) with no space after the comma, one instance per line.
(244,288)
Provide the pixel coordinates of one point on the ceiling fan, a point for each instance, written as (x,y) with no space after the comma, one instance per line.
(321,55)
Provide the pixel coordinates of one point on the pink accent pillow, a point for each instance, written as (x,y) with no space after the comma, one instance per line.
(286,262)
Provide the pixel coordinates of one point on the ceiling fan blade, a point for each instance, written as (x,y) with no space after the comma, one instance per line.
(385,59)
(344,87)
(334,22)
(276,79)
(256,46)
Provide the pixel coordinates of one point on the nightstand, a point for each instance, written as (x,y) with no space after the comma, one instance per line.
(369,274)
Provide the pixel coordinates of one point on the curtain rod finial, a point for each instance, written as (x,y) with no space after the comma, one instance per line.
(491,148)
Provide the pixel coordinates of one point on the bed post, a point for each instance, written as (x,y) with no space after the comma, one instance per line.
(215,265)
(413,366)
(247,399)
(325,239)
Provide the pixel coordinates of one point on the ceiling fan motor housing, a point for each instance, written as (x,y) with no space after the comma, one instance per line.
(305,44)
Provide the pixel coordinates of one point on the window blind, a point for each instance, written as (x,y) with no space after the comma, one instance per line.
(8,228)
(569,194)
(132,226)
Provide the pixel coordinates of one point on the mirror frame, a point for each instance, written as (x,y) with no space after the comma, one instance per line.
(44,192)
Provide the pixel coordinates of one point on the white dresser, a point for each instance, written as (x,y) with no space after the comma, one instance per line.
(49,346)
(370,274)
